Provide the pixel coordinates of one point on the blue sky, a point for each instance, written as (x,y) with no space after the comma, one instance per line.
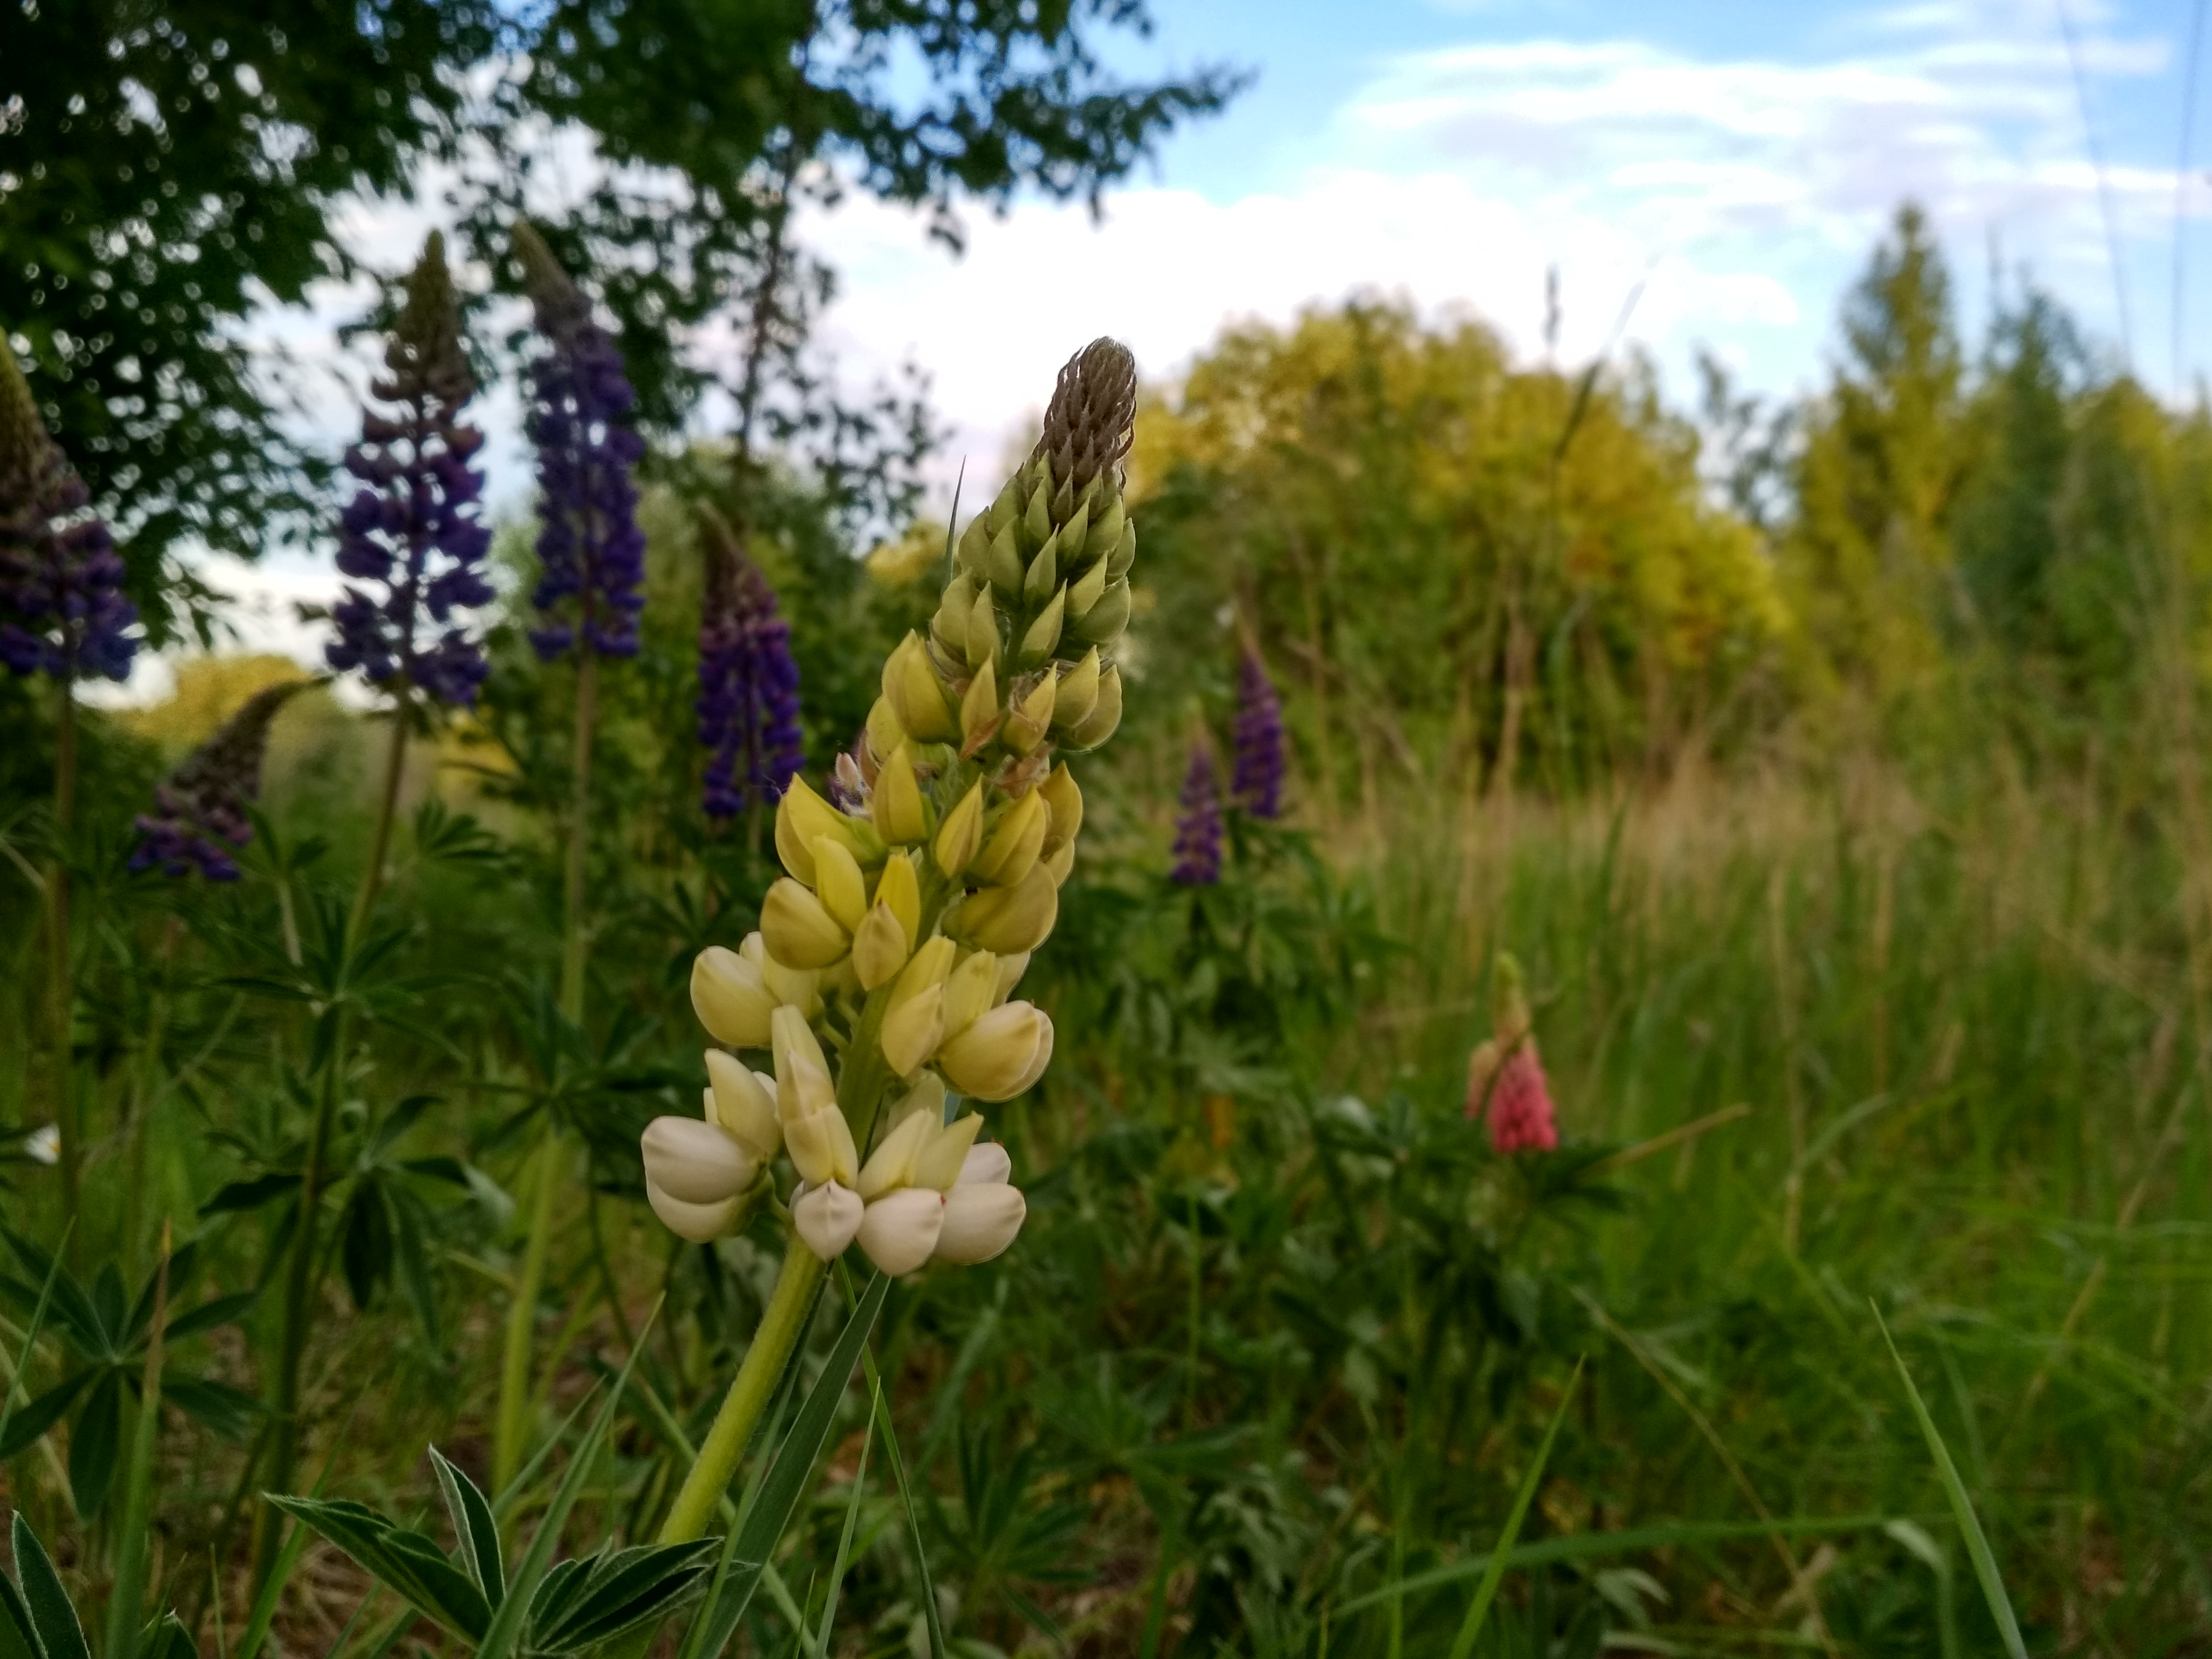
(1736,161)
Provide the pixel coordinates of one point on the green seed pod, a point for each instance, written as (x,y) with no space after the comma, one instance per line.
(1105,620)
(1124,553)
(1038,522)
(1044,571)
(1004,564)
(1085,591)
(1043,634)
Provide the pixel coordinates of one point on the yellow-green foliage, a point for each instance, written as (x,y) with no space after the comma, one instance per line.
(1446,557)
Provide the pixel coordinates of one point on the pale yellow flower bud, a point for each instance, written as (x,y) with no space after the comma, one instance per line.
(1011,850)
(981,1220)
(961,835)
(1077,692)
(917,695)
(1085,593)
(1104,621)
(880,947)
(792,988)
(1039,1061)
(949,627)
(1005,919)
(1107,532)
(979,709)
(885,734)
(1060,863)
(799,928)
(695,1162)
(839,884)
(927,1096)
(1003,563)
(913,1028)
(939,1161)
(900,1230)
(1011,970)
(896,804)
(971,992)
(1072,534)
(1065,797)
(820,1147)
(1029,718)
(930,964)
(1124,555)
(900,887)
(826,1219)
(892,1163)
(730,998)
(1043,573)
(974,545)
(698,1224)
(1105,714)
(1038,519)
(803,817)
(995,1058)
(743,1102)
(982,636)
(802,1075)
(1043,634)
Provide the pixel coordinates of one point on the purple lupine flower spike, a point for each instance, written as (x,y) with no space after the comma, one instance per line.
(411,540)
(62,609)
(199,817)
(748,703)
(591,550)
(1198,830)
(1256,780)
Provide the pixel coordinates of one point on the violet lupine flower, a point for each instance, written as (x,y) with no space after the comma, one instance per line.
(62,609)
(1198,830)
(592,551)
(199,815)
(1256,780)
(748,704)
(411,532)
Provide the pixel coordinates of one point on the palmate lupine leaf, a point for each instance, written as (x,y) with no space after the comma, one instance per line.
(47,1619)
(408,1564)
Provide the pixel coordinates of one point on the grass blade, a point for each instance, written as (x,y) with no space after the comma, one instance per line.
(930,1617)
(1962,1507)
(30,1341)
(1486,1591)
(130,1590)
(844,1555)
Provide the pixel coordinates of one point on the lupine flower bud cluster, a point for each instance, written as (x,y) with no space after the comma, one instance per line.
(748,705)
(590,551)
(906,917)
(1198,827)
(199,817)
(1505,1077)
(1256,781)
(62,609)
(411,540)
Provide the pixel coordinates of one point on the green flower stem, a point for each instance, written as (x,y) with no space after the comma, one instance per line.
(782,1324)
(580,812)
(61,992)
(510,1431)
(379,845)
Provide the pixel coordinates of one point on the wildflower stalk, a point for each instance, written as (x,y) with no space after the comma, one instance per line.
(60,991)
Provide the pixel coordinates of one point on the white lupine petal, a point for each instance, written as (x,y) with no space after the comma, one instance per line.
(827,1218)
(743,1102)
(901,1229)
(891,1164)
(695,1162)
(979,1221)
(699,1223)
(986,1165)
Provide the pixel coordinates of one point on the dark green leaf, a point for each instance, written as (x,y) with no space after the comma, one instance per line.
(785,1481)
(72,1306)
(42,1413)
(474,1527)
(251,1195)
(366,1246)
(111,1305)
(410,1565)
(229,1411)
(182,1260)
(411,1251)
(451,1170)
(30,1348)
(209,1316)
(96,1442)
(53,1620)
(396,1122)
(16,1641)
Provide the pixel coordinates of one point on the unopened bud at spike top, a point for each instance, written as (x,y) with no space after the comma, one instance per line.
(917,695)
(979,709)
(839,884)
(880,947)
(885,732)
(1043,637)
(1064,798)
(1105,714)
(1077,694)
(982,634)
(743,1102)
(900,887)
(803,817)
(1030,718)
(1104,622)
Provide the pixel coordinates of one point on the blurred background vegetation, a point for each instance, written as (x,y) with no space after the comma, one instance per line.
(1839,760)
